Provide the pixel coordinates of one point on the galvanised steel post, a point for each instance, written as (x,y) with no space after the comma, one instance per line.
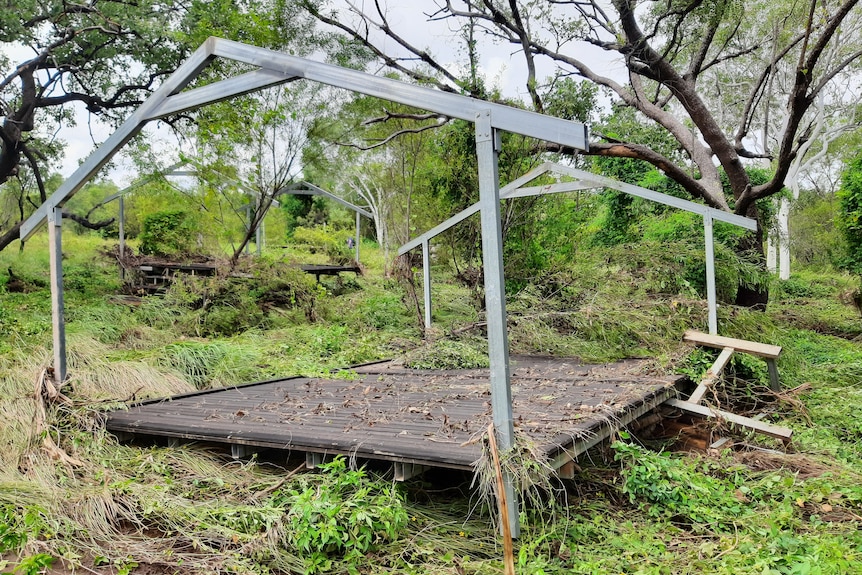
(357,237)
(711,300)
(487,149)
(426,281)
(55,249)
(122,234)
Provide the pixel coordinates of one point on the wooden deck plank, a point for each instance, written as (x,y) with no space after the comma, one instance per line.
(391,413)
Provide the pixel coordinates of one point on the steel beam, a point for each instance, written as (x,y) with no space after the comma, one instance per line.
(218,92)
(558,188)
(547,128)
(584,181)
(658,197)
(487,149)
(308,189)
(467,212)
(187,72)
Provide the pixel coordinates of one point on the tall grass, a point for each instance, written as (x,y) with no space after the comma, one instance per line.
(191,509)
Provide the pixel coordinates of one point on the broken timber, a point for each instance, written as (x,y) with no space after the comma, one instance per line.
(728,346)
(768,352)
(782,433)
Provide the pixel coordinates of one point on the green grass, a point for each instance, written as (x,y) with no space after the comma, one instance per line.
(632,510)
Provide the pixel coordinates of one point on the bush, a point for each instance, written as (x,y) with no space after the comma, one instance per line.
(815,239)
(448,354)
(348,516)
(333,244)
(168,233)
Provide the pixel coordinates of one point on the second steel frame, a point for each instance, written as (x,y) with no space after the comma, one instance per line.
(586,181)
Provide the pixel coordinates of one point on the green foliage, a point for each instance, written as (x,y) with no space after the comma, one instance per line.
(815,239)
(652,513)
(34,564)
(225,306)
(347,516)
(572,100)
(616,227)
(297,209)
(668,486)
(382,309)
(331,243)
(168,233)
(850,215)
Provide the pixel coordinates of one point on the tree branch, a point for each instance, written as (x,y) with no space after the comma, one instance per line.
(87,223)
(440,122)
(799,101)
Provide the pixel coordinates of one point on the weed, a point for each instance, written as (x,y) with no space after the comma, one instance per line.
(347,515)
(34,564)
(466,353)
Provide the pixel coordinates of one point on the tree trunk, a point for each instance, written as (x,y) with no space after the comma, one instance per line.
(751,246)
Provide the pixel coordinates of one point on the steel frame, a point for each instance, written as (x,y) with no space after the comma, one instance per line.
(585,181)
(273,68)
(174,170)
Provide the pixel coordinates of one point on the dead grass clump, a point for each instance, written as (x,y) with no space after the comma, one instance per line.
(95,376)
(799,464)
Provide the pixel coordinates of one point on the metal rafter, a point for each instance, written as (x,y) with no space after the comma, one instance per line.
(583,181)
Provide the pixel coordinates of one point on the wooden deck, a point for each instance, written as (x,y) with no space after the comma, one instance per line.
(412,418)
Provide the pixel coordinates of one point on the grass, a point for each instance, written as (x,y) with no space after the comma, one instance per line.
(631,510)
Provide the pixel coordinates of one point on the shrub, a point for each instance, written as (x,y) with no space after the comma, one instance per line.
(333,244)
(348,515)
(168,233)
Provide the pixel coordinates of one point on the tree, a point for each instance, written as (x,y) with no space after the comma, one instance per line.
(257,142)
(353,153)
(678,56)
(102,55)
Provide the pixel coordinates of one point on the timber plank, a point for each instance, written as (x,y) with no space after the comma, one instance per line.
(782,433)
(720,342)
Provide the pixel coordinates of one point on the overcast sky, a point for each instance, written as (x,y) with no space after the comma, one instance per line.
(501,65)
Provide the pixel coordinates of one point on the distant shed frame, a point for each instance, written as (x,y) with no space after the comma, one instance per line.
(296,188)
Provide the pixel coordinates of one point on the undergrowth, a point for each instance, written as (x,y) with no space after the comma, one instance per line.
(631,510)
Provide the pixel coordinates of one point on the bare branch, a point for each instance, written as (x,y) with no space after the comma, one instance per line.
(440,122)
(390,61)
(87,223)
(402,116)
(799,101)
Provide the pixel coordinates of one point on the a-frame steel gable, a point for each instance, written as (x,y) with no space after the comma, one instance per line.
(308,189)
(277,68)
